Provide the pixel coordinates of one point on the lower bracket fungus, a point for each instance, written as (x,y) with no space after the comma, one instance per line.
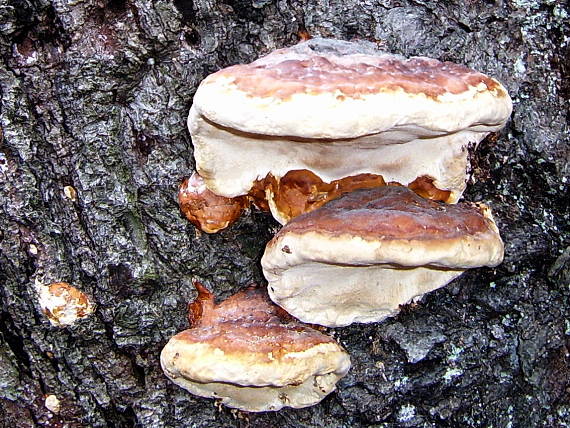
(252,355)
(359,257)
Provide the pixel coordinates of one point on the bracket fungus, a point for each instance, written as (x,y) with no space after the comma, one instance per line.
(62,303)
(336,110)
(359,257)
(252,355)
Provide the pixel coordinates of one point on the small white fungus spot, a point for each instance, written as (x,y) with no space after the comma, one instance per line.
(52,403)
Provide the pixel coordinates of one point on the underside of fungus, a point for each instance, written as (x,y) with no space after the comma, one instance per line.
(296,193)
(361,256)
(252,355)
(340,110)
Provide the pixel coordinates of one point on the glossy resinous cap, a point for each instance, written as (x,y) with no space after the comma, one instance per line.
(326,88)
(252,355)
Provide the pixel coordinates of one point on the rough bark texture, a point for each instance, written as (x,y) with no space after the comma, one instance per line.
(95,95)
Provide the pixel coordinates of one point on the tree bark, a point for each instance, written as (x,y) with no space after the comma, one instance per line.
(95,96)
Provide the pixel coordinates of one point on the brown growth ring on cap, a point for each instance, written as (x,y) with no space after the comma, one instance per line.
(357,77)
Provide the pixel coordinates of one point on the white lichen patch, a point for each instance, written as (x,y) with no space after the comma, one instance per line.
(406,413)
(399,383)
(455,353)
(520,67)
(526,4)
(450,373)
(559,12)
(62,303)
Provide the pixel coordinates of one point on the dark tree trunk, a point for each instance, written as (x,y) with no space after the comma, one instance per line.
(95,95)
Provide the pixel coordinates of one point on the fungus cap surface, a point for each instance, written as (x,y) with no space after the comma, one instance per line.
(63,304)
(325,88)
(206,210)
(359,257)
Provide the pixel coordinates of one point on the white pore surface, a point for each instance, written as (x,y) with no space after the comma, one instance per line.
(336,296)
(230,162)
(264,398)
(247,382)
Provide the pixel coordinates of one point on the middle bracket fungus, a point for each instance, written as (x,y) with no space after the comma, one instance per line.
(252,355)
(359,257)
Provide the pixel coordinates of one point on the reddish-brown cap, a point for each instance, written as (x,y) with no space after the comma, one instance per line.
(395,213)
(206,210)
(353,76)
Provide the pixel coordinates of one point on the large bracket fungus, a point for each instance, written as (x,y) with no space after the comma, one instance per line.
(359,257)
(335,110)
(363,156)
(252,355)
